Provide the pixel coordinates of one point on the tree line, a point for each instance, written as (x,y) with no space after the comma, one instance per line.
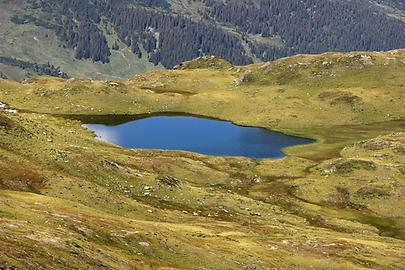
(311,26)
(41,69)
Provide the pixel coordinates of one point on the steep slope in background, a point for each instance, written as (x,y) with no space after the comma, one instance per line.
(36,44)
(116,39)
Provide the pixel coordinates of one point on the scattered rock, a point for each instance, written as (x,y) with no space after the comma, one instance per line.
(265,65)
(85,231)
(286,242)
(343,166)
(340,197)
(327,63)
(375,144)
(113,84)
(243,79)
(144,244)
(169,181)
(272,247)
(147,190)
(366,60)
(372,192)
(381,156)
(399,150)
(4,107)
(256,180)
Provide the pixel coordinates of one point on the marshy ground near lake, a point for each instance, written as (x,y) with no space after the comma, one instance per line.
(69,200)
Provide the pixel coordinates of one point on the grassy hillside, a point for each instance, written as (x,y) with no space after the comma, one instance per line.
(305,94)
(37,44)
(68,199)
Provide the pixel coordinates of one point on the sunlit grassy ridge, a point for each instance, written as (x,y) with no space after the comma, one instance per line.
(69,201)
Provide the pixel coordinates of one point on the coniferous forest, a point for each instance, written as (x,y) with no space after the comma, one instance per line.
(239,31)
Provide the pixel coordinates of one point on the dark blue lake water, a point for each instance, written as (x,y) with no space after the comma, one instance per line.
(195,134)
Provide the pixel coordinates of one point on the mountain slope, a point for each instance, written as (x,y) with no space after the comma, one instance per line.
(69,201)
(116,39)
(37,44)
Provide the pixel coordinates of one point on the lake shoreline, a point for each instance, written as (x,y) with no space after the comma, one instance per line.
(186,132)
